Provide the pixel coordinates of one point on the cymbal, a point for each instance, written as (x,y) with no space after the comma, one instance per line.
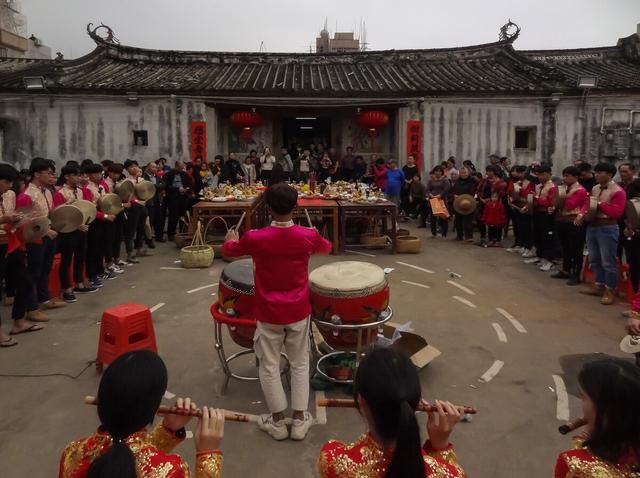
(632,213)
(66,218)
(88,210)
(593,209)
(561,197)
(630,344)
(145,190)
(36,228)
(125,190)
(110,204)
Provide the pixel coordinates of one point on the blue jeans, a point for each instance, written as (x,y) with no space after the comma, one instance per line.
(602,244)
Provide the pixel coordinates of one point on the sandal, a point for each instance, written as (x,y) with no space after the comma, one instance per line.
(33,328)
(10,342)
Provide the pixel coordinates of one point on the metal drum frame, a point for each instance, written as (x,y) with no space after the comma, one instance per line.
(359,352)
(221,319)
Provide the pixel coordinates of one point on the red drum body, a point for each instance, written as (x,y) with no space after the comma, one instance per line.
(348,293)
(236,294)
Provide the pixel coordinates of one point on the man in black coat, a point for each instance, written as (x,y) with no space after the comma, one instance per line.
(154,205)
(178,186)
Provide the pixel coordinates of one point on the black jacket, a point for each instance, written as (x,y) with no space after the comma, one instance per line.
(187,182)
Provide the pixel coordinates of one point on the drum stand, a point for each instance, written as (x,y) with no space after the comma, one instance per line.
(225,361)
(362,347)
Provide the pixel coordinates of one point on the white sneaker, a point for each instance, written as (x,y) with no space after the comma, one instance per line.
(546,266)
(115,269)
(515,249)
(300,428)
(528,253)
(531,260)
(276,430)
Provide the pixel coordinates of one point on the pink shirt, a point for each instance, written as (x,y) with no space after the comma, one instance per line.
(576,200)
(67,194)
(281,258)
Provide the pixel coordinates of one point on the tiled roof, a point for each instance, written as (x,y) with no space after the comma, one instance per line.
(489,69)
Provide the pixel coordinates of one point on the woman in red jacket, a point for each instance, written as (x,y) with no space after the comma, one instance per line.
(494,216)
(611,446)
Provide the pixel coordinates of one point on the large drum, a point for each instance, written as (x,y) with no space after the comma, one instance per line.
(236,293)
(348,293)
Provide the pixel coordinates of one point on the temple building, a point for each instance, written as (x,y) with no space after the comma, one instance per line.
(120,102)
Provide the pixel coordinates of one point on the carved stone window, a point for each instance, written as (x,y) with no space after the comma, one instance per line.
(140,137)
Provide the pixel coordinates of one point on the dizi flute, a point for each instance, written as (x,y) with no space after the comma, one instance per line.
(164,410)
(572,425)
(350,403)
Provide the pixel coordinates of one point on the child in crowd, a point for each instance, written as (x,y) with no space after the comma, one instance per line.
(281,257)
(495,217)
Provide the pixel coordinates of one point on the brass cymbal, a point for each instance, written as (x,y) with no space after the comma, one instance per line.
(145,190)
(66,218)
(110,204)
(125,190)
(632,213)
(36,228)
(88,210)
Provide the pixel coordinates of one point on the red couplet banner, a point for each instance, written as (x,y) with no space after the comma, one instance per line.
(414,141)
(199,140)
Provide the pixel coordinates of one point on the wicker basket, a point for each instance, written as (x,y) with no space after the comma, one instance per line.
(183,239)
(198,254)
(408,244)
(215,242)
(402,232)
(373,239)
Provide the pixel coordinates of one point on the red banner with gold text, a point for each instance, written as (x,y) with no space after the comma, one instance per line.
(414,141)
(199,140)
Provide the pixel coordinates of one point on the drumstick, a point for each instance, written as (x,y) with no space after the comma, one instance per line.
(350,403)
(308,218)
(572,425)
(240,221)
(165,410)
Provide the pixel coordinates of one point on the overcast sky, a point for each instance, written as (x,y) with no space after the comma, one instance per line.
(292,25)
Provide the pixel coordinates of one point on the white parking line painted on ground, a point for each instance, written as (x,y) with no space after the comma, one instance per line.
(157,306)
(416,284)
(176,269)
(321,412)
(415,267)
(502,337)
(515,322)
(465,301)
(562,407)
(461,287)
(359,253)
(208,286)
(492,372)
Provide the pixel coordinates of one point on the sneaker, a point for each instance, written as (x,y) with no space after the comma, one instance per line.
(131,260)
(300,428)
(515,249)
(276,430)
(560,275)
(37,316)
(531,260)
(85,290)
(116,270)
(546,266)
(120,262)
(96,283)
(69,297)
(52,304)
(109,275)
(528,253)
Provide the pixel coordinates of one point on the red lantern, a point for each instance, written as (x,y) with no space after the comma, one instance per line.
(372,120)
(245,120)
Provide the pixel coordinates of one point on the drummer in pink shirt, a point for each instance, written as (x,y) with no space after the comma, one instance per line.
(281,255)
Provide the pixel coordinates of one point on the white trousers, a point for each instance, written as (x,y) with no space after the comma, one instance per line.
(268,342)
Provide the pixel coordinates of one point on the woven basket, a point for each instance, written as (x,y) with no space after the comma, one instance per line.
(373,239)
(408,244)
(215,242)
(198,254)
(183,237)
(402,232)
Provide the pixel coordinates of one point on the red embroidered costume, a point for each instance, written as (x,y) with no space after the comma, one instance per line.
(367,458)
(152,453)
(581,463)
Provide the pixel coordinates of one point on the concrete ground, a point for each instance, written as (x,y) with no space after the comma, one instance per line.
(514,435)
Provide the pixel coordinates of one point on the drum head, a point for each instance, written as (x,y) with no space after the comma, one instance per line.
(632,213)
(238,276)
(346,277)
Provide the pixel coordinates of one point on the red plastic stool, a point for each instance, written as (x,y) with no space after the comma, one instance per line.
(124,328)
(624,282)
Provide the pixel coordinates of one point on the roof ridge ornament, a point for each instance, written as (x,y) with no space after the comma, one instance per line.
(509,32)
(109,37)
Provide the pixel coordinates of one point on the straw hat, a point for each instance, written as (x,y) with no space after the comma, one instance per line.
(464,204)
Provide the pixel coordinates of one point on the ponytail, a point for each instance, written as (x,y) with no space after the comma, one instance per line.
(407,461)
(117,461)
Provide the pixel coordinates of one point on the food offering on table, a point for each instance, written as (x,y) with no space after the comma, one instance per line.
(229,192)
(342,190)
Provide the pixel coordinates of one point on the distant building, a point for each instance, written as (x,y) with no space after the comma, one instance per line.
(13,32)
(340,43)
